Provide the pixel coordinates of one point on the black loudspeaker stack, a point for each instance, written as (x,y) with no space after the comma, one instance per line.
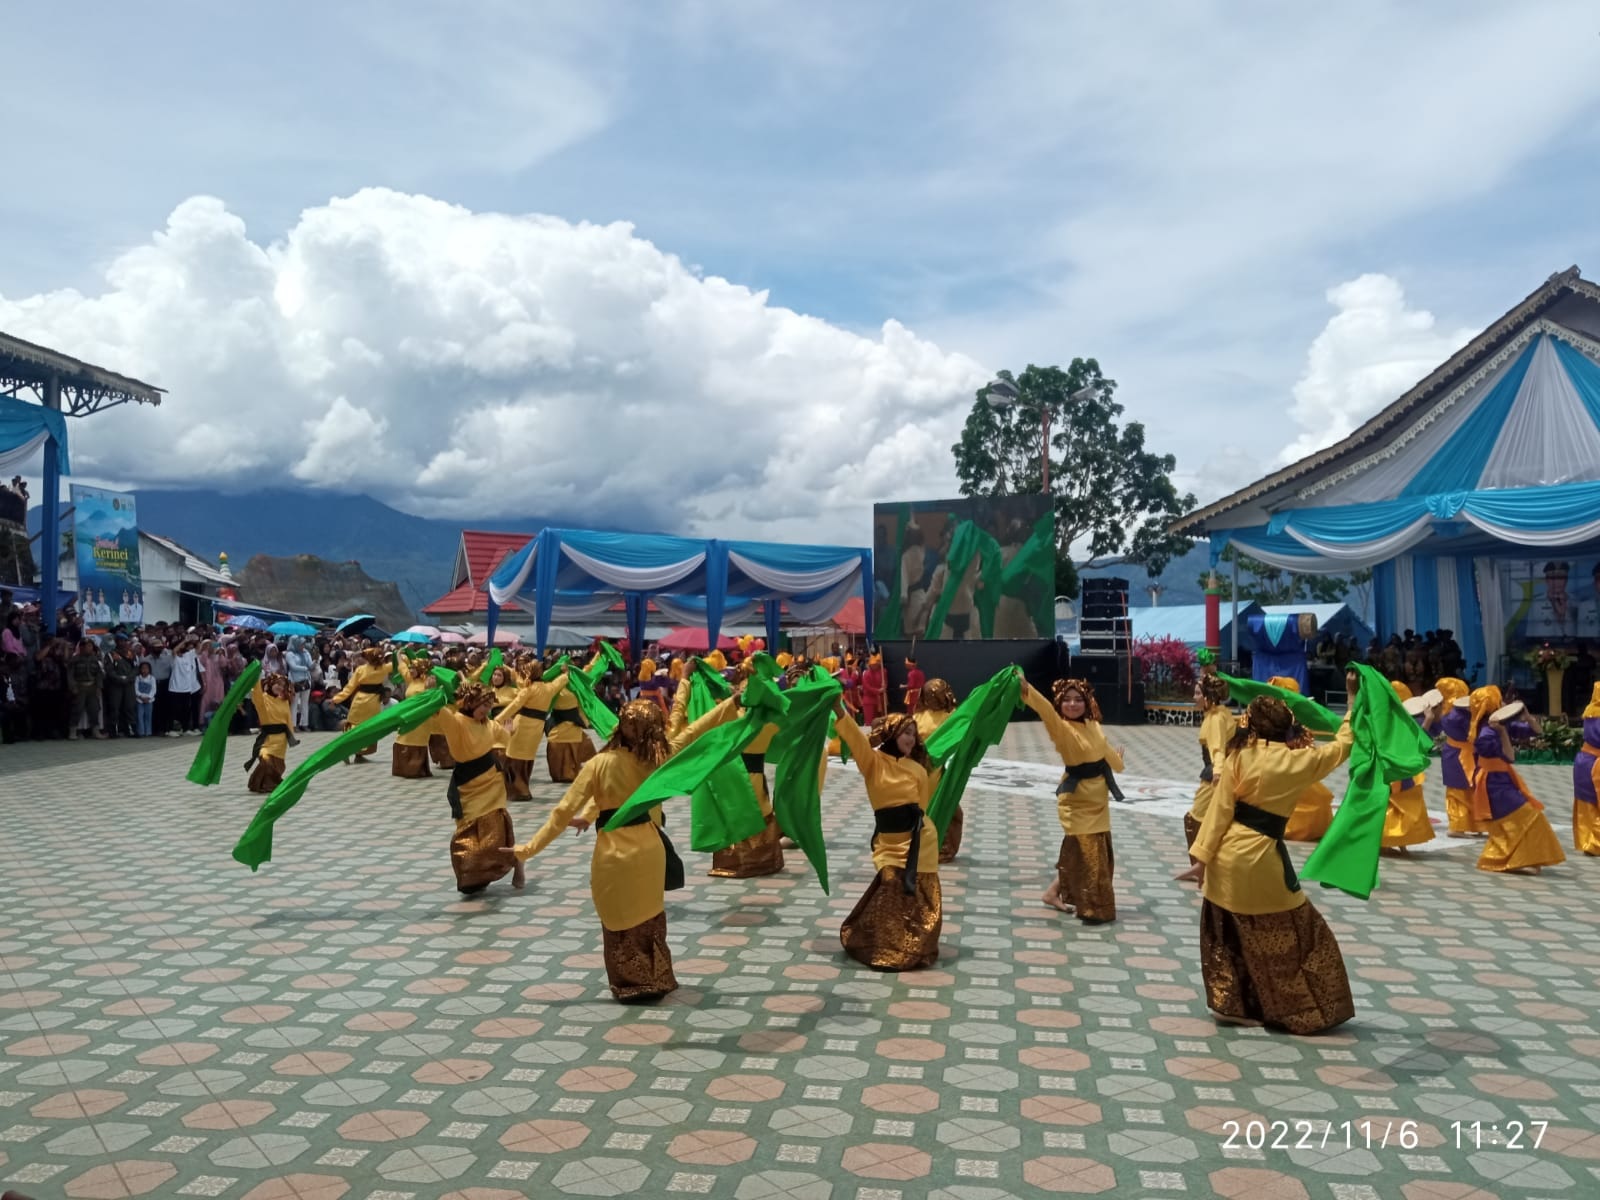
(1118,685)
(1103,626)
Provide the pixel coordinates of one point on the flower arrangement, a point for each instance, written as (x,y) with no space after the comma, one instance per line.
(1168,666)
(1548,658)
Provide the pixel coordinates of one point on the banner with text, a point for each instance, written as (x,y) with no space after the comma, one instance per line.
(105,539)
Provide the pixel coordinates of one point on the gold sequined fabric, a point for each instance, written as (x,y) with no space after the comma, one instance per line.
(370,750)
(439,751)
(519,773)
(410,762)
(1313,813)
(758,855)
(1521,839)
(1586,827)
(1283,969)
(472,851)
(268,774)
(1406,823)
(889,930)
(951,845)
(1191,830)
(638,962)
(565,758)
(1085,867)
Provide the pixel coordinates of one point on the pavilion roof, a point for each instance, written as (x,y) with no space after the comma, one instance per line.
(85,388)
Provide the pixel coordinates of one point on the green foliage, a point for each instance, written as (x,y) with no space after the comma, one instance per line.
(1557,742)
(1112,496)
(1066,578)
(1270,585)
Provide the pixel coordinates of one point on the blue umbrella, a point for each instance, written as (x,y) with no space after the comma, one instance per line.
(421,639)
(357,623)
(246,621)
(288,628)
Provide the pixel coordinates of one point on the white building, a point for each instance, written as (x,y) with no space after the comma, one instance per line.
(177,582)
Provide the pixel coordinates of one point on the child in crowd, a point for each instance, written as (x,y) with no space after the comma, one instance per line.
(144,695)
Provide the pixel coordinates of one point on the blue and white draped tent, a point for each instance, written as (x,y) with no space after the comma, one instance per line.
(574,575)
(1504,465)
(25,430)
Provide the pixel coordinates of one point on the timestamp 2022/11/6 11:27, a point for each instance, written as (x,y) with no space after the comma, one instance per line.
(1375,1134)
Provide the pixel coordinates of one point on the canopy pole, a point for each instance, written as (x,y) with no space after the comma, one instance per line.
(1235,631)
(494,619)
(50,523)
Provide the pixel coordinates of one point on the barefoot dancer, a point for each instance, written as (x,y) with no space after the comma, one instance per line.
(477,794)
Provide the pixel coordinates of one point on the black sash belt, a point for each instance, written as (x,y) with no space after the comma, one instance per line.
(563,716)
(675,878)
(1259,820)
(754,764)
(902,818)
(1205,771)
(466,772)
(1098,769)
(372,689)
(261,740)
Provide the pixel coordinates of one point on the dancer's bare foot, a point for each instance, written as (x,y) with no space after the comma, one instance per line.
(1459,833)
(519,877)
(1525,871)
(1054,900)
(1237,1022)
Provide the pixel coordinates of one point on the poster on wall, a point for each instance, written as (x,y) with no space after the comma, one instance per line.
(1555,600)
(967,569)
(105,539)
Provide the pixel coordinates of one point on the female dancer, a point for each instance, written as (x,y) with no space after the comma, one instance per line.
(567,745)
(1406,823)
(1086,864)
(1520,838)
(273,697)
(761,853)
(480,847)
(874,690)
(895,925)
(410,754)
(364,693)
(524,719)
(1217,727)
(1266,954)
(1313,809)
(936,700)
(1453,724)
(628,874)
(1585,770)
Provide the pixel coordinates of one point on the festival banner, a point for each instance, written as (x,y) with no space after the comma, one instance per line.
(965,569)
(105,539)
(1555,600)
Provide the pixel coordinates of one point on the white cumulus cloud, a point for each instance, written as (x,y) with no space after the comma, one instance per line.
(1372,350)
(480,365)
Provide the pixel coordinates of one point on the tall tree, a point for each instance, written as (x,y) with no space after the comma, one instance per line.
(1111,495)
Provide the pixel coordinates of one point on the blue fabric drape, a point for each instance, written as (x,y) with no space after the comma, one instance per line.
(716,588)
(631,550)
(1282,652)
(21,423)
(1383,600)
(1458,464)
(1425,590)
(546,563)
(1349,524)
(1584,374)
(637,606)
(1470,636)
(773,612)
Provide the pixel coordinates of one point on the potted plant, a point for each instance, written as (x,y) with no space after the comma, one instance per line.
(1551,662)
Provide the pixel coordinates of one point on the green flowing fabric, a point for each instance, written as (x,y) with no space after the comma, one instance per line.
(608,659)
(959,745)
(721,689)
(887,626)
(798,747)
(1389,746)
(255,844)
(594,709)
(564,663)
(686,770)
(720,808)
(1028,570)
(493,663)
(206,770)
(968,543)
(1302,708)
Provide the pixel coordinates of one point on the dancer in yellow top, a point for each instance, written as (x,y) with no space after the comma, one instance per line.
(364,693)
(1406,823)
(628,874)
(1585,773)
(1520,838)
(483,836)
(567,746)
(1452,724)
(1313,811)
(1217,727)
(524,717)
(410,755)
(1086,864)
(761,853)
(273,697)
(936,700)
(1266,954)
(895,925)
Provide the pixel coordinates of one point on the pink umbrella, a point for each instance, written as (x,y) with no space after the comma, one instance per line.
(502,637)
(694,639)
(453,639)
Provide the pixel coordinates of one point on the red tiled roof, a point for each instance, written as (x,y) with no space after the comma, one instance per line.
(481,552)
(462,601)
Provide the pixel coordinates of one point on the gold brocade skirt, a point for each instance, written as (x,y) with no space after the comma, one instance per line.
(1406,823)
(518,772)
(1586,827)
(268,773)
(410,762)
(950,846)
(758,855)
(638,962)
(1458,811)
(439,751)
(1191,830)
(367,751)
(1313,813)
(1085,867)
(472,851)
(1283,969)
(565,758)
(1519,840)
(889,930)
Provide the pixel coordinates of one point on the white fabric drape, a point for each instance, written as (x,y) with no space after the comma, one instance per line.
(1492,605)
(1367,554)
(695,615)
(507,594)
(792,582)
(1537,537)
(1548,436)
(635,579)
(1405,595)
(1449,595)
(17,457)
(829,603)
(571,610)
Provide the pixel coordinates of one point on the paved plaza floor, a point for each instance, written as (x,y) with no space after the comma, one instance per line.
(343,1024)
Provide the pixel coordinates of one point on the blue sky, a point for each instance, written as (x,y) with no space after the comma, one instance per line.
(1176,190)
